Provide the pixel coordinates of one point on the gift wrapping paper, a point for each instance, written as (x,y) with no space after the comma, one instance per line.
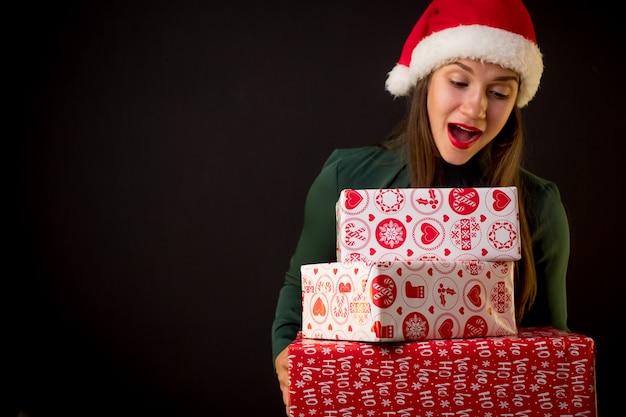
(428,223)
(407,300)
(540,372)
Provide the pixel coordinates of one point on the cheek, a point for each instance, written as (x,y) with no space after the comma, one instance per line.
(438,105)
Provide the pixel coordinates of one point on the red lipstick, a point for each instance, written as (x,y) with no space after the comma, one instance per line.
(463,136)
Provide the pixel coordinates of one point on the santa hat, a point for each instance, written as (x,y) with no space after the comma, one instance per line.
(496,31)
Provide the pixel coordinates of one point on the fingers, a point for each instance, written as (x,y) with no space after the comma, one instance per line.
(282,372)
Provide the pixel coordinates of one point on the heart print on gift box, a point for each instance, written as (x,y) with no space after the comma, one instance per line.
(479,223)
(395,301)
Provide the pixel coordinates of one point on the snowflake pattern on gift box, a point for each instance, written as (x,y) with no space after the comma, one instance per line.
(541,372)
(370,302)
(447,222)
(390,233)
(415,326)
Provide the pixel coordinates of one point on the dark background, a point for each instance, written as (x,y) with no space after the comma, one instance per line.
(158,162)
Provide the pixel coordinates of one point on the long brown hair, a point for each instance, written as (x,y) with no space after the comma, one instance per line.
(504,156)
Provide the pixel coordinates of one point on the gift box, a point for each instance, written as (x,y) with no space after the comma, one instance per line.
(538,372)
(428,223)
(407,300)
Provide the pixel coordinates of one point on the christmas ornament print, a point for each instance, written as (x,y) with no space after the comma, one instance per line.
(447,223)
(402,301)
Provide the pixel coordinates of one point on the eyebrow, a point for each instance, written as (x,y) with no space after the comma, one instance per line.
(471,71)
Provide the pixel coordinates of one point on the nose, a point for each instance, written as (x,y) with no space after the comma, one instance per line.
(475,104)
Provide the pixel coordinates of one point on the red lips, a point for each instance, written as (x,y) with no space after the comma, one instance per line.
(463,136)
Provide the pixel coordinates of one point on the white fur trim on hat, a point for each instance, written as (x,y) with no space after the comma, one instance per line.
(484,43)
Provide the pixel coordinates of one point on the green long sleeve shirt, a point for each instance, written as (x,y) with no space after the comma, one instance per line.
(375,167)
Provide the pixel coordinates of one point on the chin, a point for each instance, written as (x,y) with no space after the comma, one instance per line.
(457,159)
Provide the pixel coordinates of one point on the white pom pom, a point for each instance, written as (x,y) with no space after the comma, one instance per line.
(399,81)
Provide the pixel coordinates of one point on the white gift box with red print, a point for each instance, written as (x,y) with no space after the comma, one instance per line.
(539,372)
(407,300)
(428,223)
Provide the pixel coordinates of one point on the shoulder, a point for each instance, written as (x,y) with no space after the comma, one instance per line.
(367,167)
(542,197)
(363,154)
(539,188)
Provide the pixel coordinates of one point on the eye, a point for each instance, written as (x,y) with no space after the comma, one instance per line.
(498,94)
(458,84)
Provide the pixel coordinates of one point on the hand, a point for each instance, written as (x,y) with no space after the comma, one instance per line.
(282,371)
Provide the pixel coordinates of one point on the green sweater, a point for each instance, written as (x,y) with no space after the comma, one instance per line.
(374,167)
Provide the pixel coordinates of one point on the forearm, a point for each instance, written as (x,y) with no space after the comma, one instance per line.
(287,319)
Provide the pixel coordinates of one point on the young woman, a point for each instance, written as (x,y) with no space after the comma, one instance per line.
(467,68)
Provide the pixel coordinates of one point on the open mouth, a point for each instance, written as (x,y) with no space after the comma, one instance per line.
(463,136)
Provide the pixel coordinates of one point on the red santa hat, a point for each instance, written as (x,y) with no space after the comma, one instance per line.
(496,31)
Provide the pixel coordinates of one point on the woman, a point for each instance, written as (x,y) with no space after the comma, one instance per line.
(468,67)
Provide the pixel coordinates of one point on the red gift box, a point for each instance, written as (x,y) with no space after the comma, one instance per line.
(540,372)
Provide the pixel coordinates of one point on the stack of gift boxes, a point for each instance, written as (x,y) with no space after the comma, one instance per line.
(417,316)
